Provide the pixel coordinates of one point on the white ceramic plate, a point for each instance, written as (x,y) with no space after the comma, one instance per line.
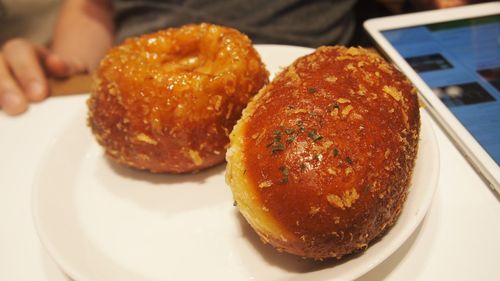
(102,221)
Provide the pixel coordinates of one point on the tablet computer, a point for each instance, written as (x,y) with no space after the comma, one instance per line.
(453,58)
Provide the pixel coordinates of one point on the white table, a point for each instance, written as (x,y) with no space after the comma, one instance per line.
(458,240)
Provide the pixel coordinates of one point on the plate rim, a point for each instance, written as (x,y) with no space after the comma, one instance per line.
(385,252)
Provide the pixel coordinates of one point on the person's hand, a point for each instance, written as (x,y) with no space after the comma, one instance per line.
(440,4)
(24,69)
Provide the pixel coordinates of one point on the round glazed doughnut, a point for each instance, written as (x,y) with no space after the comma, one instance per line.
(321,160)
(167,101)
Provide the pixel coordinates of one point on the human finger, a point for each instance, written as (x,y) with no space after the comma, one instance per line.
(57,67)
(12,100)
(24,63)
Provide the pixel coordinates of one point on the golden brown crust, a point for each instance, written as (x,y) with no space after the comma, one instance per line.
(327,151)
(167,101)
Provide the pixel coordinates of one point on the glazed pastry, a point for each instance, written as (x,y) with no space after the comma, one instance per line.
(322,158)
(167,101)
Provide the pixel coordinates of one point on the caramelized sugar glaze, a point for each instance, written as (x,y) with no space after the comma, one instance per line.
(167,101)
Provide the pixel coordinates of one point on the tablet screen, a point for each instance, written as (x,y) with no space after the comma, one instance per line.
(460,61)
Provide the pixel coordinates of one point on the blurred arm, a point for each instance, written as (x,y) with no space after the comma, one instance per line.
(83,32)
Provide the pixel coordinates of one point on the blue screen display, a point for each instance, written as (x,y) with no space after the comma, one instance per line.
(460,61)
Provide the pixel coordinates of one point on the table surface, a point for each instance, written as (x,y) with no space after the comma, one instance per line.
(458,239)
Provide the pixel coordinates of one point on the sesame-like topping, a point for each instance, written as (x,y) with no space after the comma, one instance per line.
(345,201)
(195,156)
(393,92)
(266,183)
(331,78)
(145,138)
(346,110)
(314,210)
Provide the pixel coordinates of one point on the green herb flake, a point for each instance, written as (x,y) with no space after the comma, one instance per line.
(314,135)
(335,152)
(291,135)
(235,203)
(332,106)
(300,124)
(277,135)
(303,167)
(348,160)
(311,90)
(284,174)
(277,147)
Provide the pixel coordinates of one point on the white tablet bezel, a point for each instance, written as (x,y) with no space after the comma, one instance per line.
(470,148)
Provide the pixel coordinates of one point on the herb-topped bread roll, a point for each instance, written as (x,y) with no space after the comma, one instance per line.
(167,101)
(322,158)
